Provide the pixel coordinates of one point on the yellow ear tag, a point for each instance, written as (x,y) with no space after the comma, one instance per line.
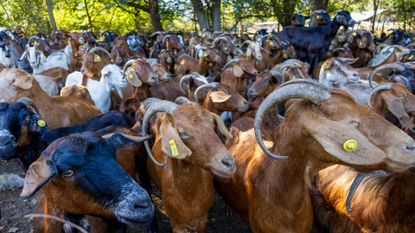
(319,17)
(350,145)
(182,62)
(326,65)
(130,76)
(97,58)
(411,57)
(173,148)
(41,123)
(354,33)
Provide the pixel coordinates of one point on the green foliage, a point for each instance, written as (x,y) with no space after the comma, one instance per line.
(122,16)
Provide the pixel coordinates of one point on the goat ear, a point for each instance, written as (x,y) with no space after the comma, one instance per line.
(237,70)
(396,107)
(132,78)
(248,52)
(172,144)
(97,58)
(23,81)
(344,142)
(39,173)
(219,96)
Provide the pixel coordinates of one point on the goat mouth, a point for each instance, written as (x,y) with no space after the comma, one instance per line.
(141,218)
(227,173)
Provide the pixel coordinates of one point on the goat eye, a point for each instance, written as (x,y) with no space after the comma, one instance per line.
(354,123)
(183,134)
(68,173)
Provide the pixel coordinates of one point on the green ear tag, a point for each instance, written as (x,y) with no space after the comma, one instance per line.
(41,123)
(173,148)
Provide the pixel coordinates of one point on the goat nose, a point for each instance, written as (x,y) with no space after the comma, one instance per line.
(6,140)
(228,162)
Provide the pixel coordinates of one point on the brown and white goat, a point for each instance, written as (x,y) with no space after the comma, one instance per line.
(186,141)
(58,111)
(271,191)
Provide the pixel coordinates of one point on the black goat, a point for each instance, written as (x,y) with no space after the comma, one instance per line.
(319,18)
(23,133)
(311,43)
(298,20)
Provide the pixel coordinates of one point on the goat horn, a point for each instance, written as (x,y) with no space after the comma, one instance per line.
(23,55)
(311,91)
(126,65)
(182,100)
(164,38)
(381,87)
(187,77)
(29,102)
(305,81)
(204,87)
(229,62)
(31,38)
(156,33)
(219,38)
(155,107)
(397,66)
(94,49)
(250,43)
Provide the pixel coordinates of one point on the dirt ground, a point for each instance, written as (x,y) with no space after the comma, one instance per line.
(221,219)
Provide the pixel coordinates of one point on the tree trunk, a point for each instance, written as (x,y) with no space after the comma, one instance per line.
(155,15)
(284,10)
(321,4)
(51,16)
(89,16)
(216,15)
(201,15)
(7,14)
(375,11)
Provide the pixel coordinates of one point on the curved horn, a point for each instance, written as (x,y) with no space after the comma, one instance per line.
(31,38)
(203,87)
(229,62)
(250,43)
(155,107)
(23,55)
(156,33)
(126,65)
(187,77)
(396,65)
(381,87)
(182,100)
(164,38)
(309,91)
(29,102)
(94,49)
(220,38)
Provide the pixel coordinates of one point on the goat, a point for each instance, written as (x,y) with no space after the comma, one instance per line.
(24,133)
(40,62)
(297,20)
(78,175)
(58,111)
(100,91)
(77,91)
(311,43)
(93,62)
(236,73)
(217,98)
(361,43)
(178,135)
(186,65)
(370,202)
(271,194)
(190,82)
(319,18)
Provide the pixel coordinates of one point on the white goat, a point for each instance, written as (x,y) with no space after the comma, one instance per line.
(40,63)
(100,91)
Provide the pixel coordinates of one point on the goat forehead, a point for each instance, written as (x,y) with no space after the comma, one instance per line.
(189,114)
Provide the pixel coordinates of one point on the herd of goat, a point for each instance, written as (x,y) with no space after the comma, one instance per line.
(306,129)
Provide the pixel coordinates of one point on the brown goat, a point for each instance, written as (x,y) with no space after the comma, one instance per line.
(217,98)
(395,103)
(380,203)
(186,140)
(93,62)
(77,91)
(121,53)
(58,111)
(236,74)
(186,65)
(272,195)
(208,60)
